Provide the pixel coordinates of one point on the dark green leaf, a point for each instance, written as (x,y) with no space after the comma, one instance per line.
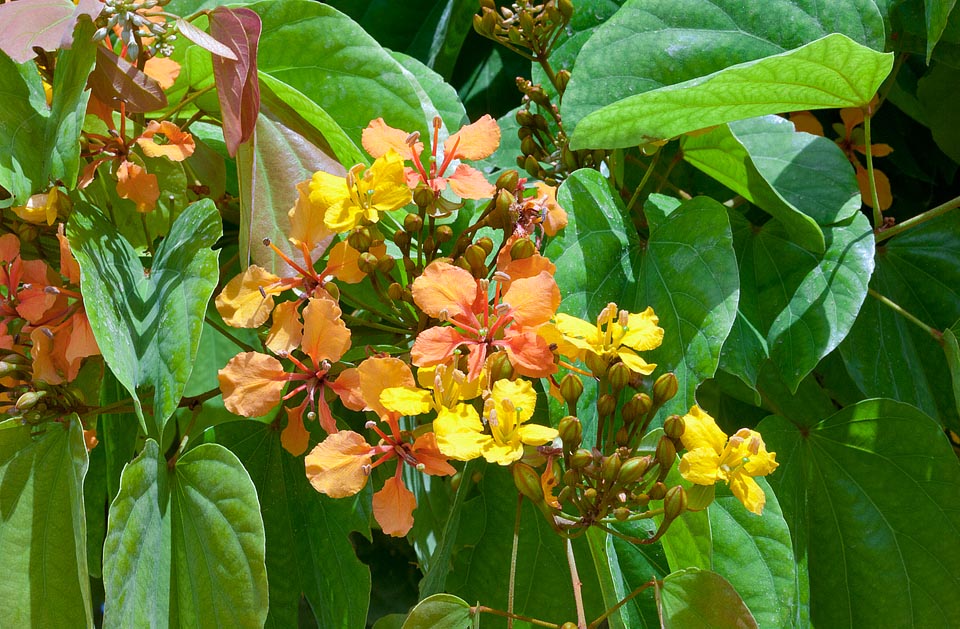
(442,33)
(435,579)
(43,537)
(935,92)
(952,350)
(936,13)
(694,598)
(440,611)
(148,324)
(869,494)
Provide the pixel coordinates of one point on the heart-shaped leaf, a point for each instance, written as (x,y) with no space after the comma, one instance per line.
(148,321)
(440,611)
(693,598)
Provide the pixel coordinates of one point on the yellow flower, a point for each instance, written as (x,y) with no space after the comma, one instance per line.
(616,334)
(461,435)
(362,194)
(712,457)
(442,388)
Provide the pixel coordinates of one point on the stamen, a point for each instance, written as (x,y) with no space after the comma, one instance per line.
(500,276)
(412,139)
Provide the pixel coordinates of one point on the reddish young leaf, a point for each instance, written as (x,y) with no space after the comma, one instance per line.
(44,24)
(237,86)
(114,79)
(203,40)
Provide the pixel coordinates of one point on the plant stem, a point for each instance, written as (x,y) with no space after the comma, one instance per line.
(877,214)
(374,325)
(936,334)
(222,330)
(643,182)
(623,602)
(480,609)
(577,585)
(513,560)
(952,204)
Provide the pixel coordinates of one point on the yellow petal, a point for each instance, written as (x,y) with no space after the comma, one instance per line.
(407,400)
(522,401)
(700,466)
(390,190)
(747,491)
(379,373)
(701,431)
(241,304)
(306,221)
(537,435)
(335,466)
(578,329)
(460,433)
(642,332)
(634,362)
(502,454)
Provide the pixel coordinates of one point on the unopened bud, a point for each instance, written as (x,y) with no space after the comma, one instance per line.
(590,496)
(569,159)
(522,249)
(571,388)
(621,513)
(674,502)
(475,256)
(500,367)
(508,180)
(565,494)
(401,239)
(333,290)
(611,468)
(527,481)
(462,263)
(485,243)
(664,389)
(524,119)
(580,459)
(367,262)
(443,233)
(638,406)
(571,432)
(532,166)
(606,405)
(513,34)
(622,437)
(526,22)
(386,264)
(566,9)
(529,146)
(633,469)
(658,491)
(563,77)
(29,399)
(597,364)
(673,427)
(619,375)
(571,478)
(412,223)
(360,239)
(423,196)
(429,245)
(666,455)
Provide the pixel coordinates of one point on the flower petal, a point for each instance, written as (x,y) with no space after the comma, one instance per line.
(136,184)
(379,137)
(459,433)
(251,383)
(179,146)
(393,507)
(444,287)
(642,332)
(533,300)
(407,400)
(287,329)
(294,438)
(426,451)
(747,491)
(379,373)
(701,431)
(325,335)
(306,221)
(474,141)
(700,466)
(241,303)
(335,465)
(469,183)
(537,435)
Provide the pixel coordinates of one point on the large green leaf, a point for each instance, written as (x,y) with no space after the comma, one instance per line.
(148,321)
(693,598)
(42,526)
(600,259)
(936,13)
(795,306)
(440,611)
(834,71)
(185,543)
(934,93)
(40,144)
(309,552)
(664,42)
(770,165)
(886,354)
(870,497)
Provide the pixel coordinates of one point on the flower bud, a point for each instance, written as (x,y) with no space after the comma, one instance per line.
(524,119)
(568,625)
(532,166)
(412,223)
(505,201)
(598,156)
(513,34)
(666,455)
(500,367)
(622,437)
(571,432)
(563,77)
(658,491)
(611,468)
(590,496)
(569,159)
(580,459)
(386,264)
(571,388)
(460,262)
(489,23)
(333,290)
(571,478)
(565,494)
(664,389)
(429,245)
(522,249)
(508,180)
(633,469)
(367,262)
(444,233)
(638,406)
(360,239)
(566,9)
(597,364)
(423,196)
(527,481)
(539,120)
(619,375)
(402,239)
(29,399)
(606,405)
(529,146)
(526,22)
(395,292)
(674,502)
(673,427)
(485,243)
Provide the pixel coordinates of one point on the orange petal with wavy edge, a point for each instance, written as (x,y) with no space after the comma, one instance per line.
(393,507)
(851,116)
(163,70)
(179,144)
(241,302)
(425,450)
(295,437)
(555,217)
(325,335)
(80,344)
(806,122)
(69,267)
(342,262)
(474,141)
(880,150)
(347,388)
(469,183)
(533,300)
(136,184)
(34,301)
(379,137)
(335,465)
(251,384)
(287,329)
(444,287)
(306,221)
(435,345)
(379,373)
(45,367)
(530,355)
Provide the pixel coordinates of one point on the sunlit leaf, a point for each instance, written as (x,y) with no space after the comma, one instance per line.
(237,85)
(693,598)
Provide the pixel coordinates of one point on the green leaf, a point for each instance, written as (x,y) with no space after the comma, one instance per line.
(935,91)
(632,566)
(148,324)
(435,579)
(608,573)
(694,598)
(917,270)
(441,94)
(755,554)
(442,34)
(339,67)
(795,306)
(185,545)
(873,559)
(440,611)
(42,526)
(770,165)
(308,548)
(952,350)
(936,13)
(834,71)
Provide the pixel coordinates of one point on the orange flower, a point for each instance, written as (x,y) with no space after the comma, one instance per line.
(852,142)
(178,144)
(473,141)
(136,184)
(452,294)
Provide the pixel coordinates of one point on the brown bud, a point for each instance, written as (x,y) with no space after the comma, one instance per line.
(569,159)
(429,245)
(622,437)
(522,249)
(532,166)
(674,502)
(444,233)
(563,77)
(633,469)
(566,9)
(386,264)
(463,264)
(423,196)
(580,459)
(527,481)
(606,405)
(485,243)
(526,23)
(539,120)
(524,119)
(395,292)
(360,239)
(658,491)
(515,37)
(401,239)
(367,262)
(619,375)
(568,625)
(500,367)
(611,468)
(489,5)
(571,432)
(412,223)
(571,388)
(565,494)
(598,156)
(664,389)
(504,201)
(590,496)
(488,23)
(529,146)
(673,427)
(621,513)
